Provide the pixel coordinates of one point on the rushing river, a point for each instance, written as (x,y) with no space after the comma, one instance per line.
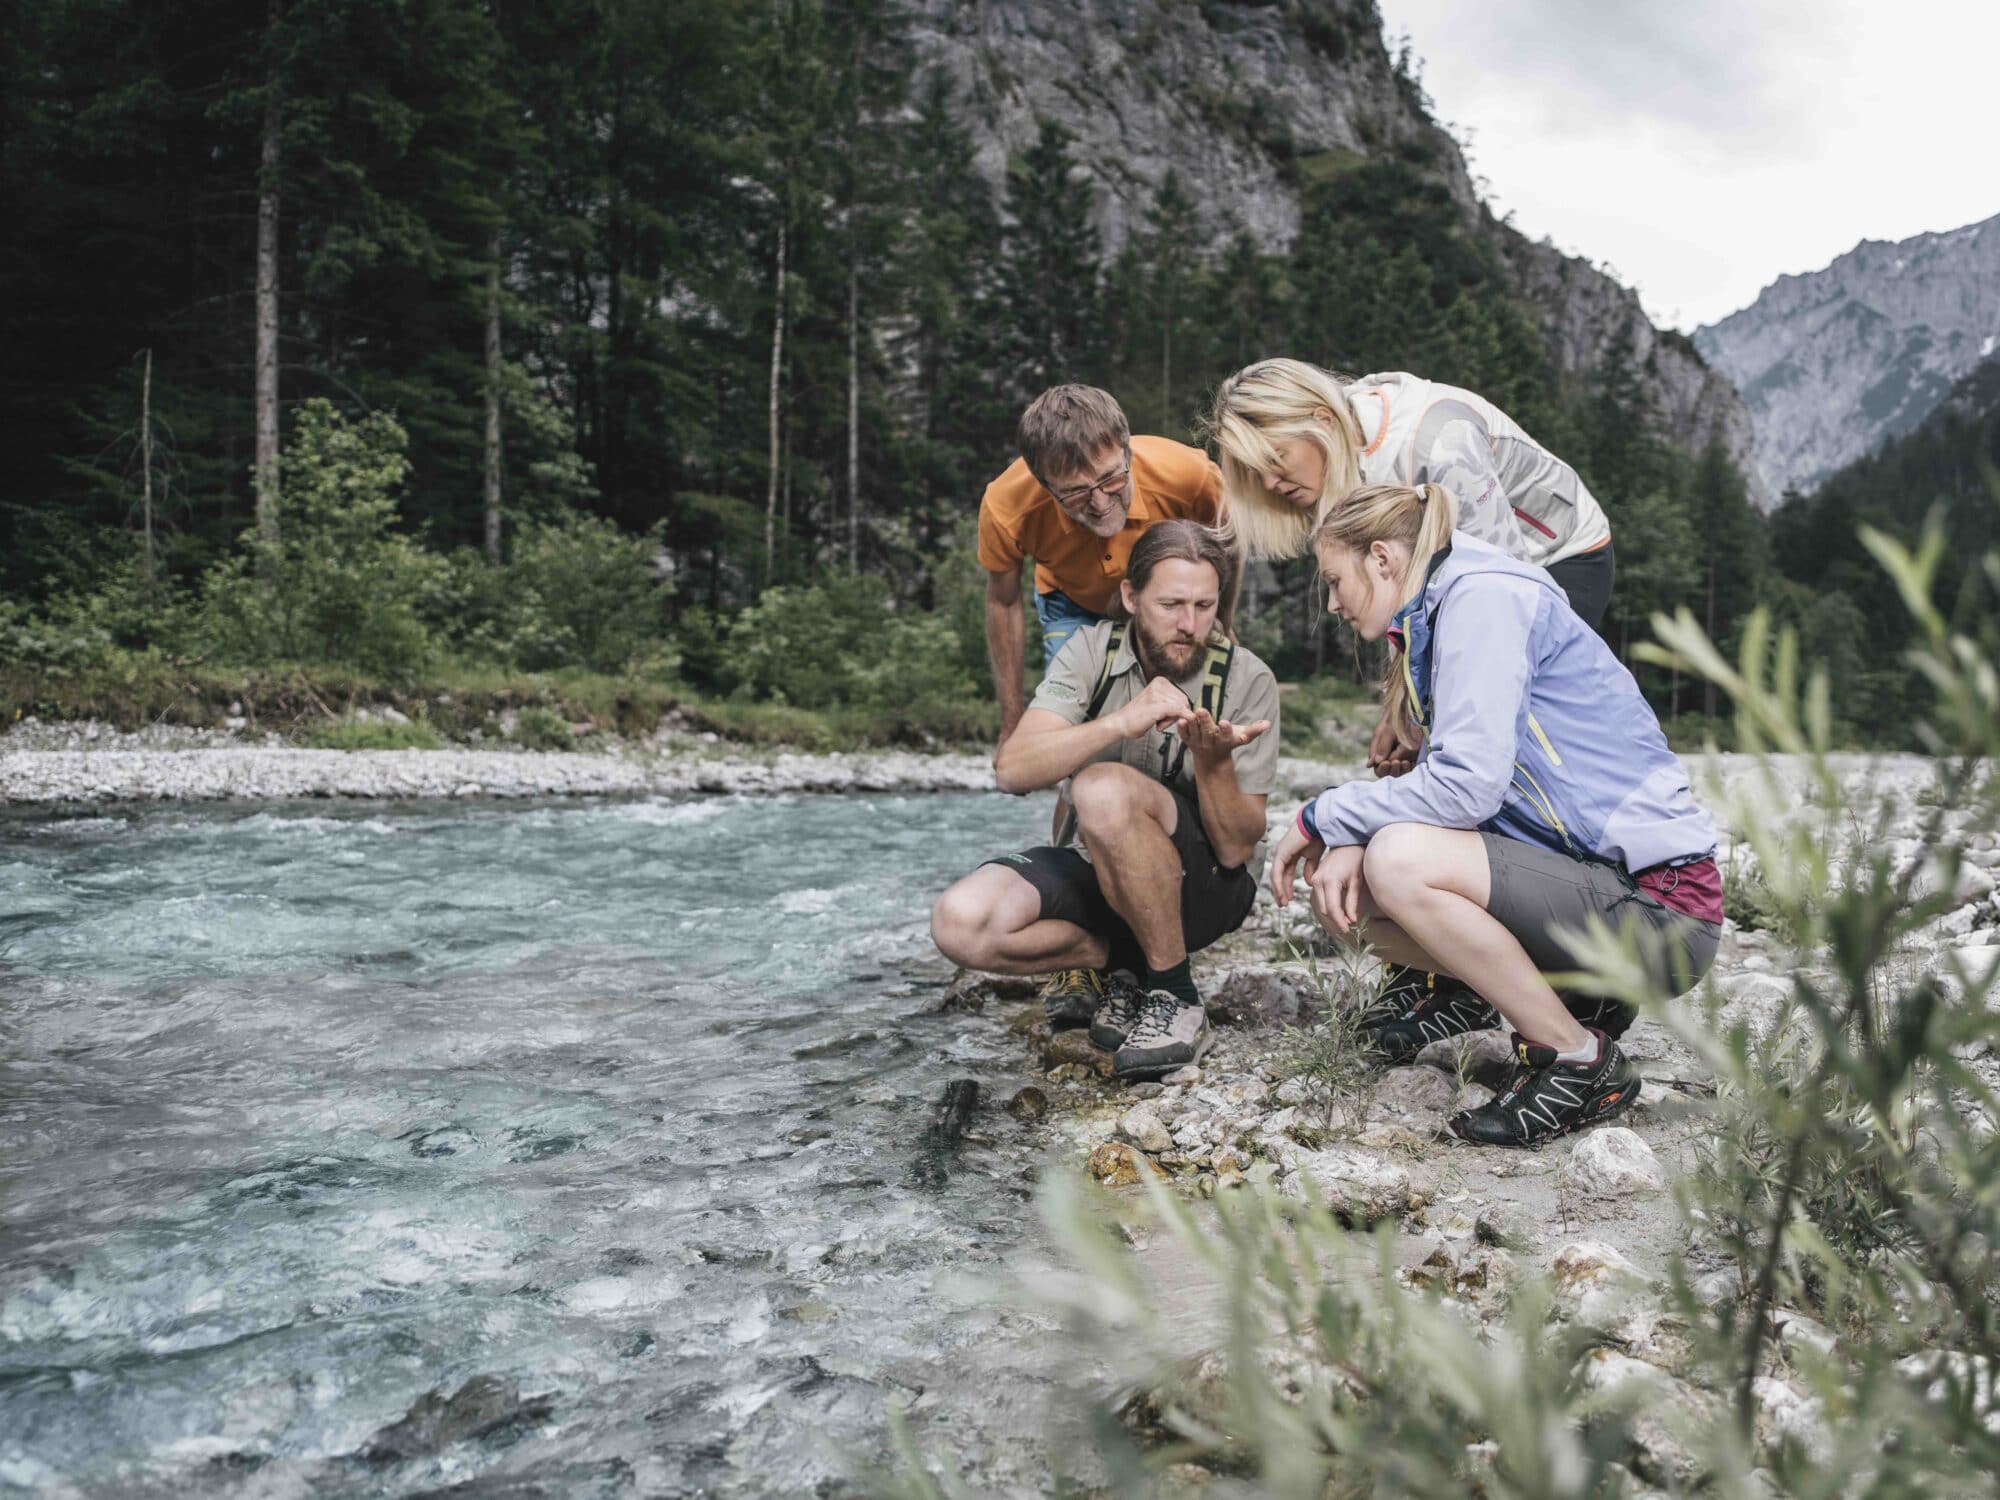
(311,1115)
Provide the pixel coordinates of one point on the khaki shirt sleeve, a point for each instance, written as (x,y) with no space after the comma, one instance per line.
(1256,762)
(1066,687)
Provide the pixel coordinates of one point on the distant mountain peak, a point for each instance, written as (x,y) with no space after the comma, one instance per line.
(1832,362)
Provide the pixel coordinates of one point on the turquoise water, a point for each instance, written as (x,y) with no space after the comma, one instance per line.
(306,1112)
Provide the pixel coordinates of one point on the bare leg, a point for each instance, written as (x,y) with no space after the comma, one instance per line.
(1432,884)
(1127,821)
(992,919)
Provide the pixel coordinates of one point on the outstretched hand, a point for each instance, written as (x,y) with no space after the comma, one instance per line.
(1210,739)
(1158,705)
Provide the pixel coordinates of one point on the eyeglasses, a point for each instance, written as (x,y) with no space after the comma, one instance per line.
(1109,486)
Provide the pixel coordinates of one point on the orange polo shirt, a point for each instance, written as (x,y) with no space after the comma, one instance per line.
(1018,518)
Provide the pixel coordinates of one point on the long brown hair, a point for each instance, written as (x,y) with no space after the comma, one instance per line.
(1420,519)
(1189,541)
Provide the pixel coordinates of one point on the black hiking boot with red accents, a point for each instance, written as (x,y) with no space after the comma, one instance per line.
(1548,1098)
(1416,1009)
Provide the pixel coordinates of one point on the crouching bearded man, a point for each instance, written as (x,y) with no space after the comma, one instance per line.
(1165,731)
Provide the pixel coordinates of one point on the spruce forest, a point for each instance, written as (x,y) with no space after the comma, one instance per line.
(632,355)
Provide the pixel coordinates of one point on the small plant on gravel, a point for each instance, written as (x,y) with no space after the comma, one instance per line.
(373,734)
(1329,1055)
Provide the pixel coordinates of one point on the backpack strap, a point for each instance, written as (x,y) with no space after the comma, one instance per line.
(1112,645)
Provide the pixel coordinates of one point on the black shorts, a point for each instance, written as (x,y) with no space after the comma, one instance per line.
(1214,900)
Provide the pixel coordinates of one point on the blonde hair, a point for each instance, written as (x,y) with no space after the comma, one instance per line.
(1420,519)
(1255,407)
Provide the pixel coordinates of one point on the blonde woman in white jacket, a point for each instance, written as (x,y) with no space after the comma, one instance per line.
(1295,440)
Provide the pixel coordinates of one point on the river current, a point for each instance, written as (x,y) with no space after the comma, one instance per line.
(599,1117)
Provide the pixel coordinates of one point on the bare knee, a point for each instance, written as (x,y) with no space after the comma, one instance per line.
(1396,864)
(1107,795)
(961,926)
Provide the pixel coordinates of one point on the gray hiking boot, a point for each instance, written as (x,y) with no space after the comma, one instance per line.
(1169,1034)
(1119,1013)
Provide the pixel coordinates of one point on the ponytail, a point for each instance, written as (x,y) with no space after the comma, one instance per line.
(1422,520)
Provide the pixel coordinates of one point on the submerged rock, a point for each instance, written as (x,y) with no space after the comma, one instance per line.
(1029,1104)
(1076,1047)
(435,1421)
(1613,1162)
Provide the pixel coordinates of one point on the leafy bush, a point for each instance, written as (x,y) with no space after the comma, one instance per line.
(373,734)
(837,642)
(581,593)
(543,729)
(342,583)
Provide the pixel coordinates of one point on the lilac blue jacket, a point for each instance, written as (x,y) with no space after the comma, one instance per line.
(1533,729)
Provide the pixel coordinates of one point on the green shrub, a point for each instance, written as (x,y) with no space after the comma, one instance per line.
(543,729)
(342,583)
(373,734)
(838,642)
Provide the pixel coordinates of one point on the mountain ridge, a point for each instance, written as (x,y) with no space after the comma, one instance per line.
(1833,362)
(1246,102)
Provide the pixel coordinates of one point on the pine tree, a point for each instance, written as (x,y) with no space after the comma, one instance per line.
(1049,296)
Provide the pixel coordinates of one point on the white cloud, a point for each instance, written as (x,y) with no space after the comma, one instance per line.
(1706,148)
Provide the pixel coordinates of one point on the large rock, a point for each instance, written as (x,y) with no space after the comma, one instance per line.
(1415,1091)
(1259,995)
(1595,1283)
(1489,1057)
(1115,1164)
(1662,1419)
(1612,1162)
(1360,1186)
(1075,1047)
(1143,1128)
(1787,1415)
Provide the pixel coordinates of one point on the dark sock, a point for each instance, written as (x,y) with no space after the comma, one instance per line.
(1177,981)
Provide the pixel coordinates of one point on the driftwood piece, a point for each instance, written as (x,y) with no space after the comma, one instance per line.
(941,1138)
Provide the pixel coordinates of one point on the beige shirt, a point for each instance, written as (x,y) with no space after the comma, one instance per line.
(1250,694)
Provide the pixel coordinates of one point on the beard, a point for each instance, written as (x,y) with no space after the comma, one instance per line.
(1171,657)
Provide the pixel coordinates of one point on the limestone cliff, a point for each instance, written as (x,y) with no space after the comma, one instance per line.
(1833,362)
(1247,101)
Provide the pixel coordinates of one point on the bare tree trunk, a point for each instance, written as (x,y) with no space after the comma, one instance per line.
(1708,684)
(777,360)
(146,464)
(853,397)
(1166,371)
(265,481)
(492,497)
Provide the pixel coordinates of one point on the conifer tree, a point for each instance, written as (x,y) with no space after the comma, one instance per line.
(1049,293)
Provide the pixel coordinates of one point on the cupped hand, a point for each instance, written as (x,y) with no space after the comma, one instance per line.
(1211,739)
(1336,888)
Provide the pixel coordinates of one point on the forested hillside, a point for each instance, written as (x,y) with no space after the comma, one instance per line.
(435,336)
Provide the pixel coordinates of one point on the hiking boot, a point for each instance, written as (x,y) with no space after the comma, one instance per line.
(1070,997)
(1169,1034)
(1120,1011)
(1549,1098)
(1418,1009)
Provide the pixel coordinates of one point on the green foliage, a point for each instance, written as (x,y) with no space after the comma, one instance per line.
(374,734)
(343,583)
(575,592)
(543,729)
(837,642)
(1330,1054)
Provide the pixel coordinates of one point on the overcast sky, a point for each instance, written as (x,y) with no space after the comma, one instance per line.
(1704,148)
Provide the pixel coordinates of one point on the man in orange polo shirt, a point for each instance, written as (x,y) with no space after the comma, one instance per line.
(1078,497)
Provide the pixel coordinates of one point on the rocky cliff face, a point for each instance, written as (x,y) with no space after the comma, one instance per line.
(1246,101)
(1833,362)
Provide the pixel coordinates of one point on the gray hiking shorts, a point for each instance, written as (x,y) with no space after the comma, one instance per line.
(1537,892)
